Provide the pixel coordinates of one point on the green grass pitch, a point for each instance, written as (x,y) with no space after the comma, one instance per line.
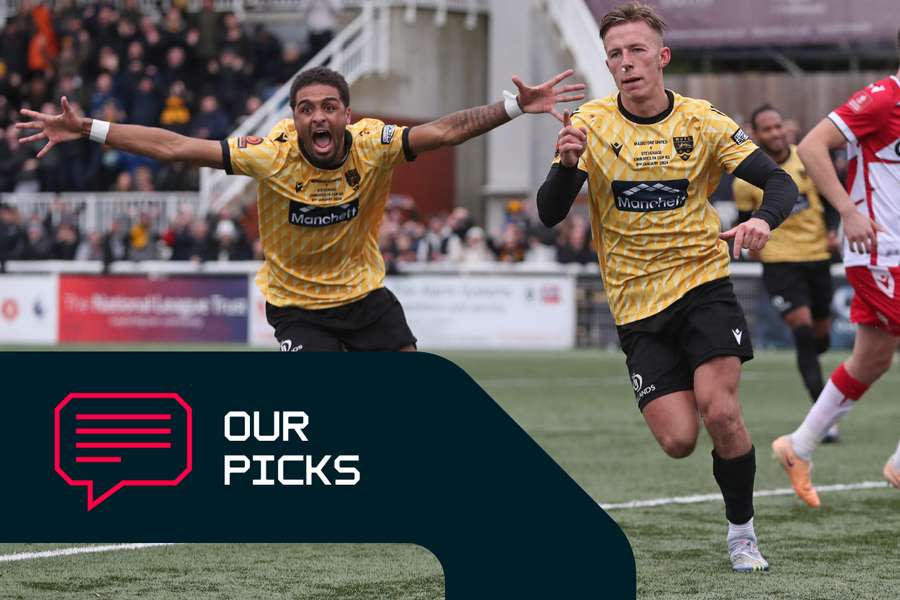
(579,407)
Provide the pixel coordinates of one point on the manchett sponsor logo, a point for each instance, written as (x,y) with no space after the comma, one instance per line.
(305,215)
(650,196)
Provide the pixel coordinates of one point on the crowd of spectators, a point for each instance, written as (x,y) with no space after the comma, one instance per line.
(195,73)
(56,234)
(453,238)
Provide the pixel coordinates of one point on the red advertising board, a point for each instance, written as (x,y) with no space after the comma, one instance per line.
(140,309)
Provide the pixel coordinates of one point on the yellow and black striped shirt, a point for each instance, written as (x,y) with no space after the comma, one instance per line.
(801,238)
(654,230)
(319,227)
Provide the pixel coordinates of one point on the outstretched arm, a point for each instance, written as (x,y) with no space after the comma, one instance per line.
(813,151)
(156,143)
(460,126)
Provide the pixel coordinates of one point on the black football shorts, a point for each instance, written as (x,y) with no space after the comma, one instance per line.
(662,351)
(791,285)
(374,324)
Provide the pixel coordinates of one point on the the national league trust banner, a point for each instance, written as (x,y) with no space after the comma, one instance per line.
(270,447)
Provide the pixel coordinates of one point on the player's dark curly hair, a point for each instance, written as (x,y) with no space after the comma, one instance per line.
(758,111)
(632,12)
(324,76)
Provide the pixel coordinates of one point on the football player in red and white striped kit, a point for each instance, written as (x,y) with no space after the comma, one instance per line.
(869,124)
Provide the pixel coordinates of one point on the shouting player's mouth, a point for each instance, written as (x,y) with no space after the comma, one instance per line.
(323,143)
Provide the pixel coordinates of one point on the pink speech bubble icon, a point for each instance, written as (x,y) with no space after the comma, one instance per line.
(106,441)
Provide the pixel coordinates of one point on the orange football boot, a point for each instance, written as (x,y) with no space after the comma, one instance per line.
(798,470)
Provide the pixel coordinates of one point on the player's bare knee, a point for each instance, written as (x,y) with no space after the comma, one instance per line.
(681,448)
(722,421)
(678,446)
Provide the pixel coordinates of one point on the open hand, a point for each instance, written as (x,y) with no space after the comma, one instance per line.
(543,98)
(55,129)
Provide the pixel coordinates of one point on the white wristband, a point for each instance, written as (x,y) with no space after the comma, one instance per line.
(511,104)
(99,130)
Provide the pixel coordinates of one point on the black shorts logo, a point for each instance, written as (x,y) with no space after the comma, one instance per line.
(683,146)
(650,196)
(304,215)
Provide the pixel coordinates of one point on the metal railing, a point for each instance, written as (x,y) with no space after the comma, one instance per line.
(95,211)
(579,33)
(361,48)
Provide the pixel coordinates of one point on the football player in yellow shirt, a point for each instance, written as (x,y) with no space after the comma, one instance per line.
(651,159)
(322,187)
(797,260)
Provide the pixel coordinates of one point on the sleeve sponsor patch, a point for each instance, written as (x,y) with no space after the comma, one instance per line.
(387,134)
(250,140)
(858,102)
(739,136)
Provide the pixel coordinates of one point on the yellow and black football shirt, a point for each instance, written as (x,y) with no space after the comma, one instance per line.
(654,230)
(801,237)
(319,227)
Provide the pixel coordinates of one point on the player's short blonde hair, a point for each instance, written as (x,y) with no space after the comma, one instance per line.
(632,12)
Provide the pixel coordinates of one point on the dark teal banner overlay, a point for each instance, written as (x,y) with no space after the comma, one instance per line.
(259,447)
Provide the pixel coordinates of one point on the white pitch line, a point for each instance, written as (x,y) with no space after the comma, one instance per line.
(697,499)
(76,550)
(838,487)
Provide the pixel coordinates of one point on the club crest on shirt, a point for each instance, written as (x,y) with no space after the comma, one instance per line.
(683,146)
(353,178)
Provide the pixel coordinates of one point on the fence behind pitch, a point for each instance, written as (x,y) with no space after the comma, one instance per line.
(496,306)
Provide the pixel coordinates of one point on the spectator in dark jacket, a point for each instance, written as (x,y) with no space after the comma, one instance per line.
(39,244)
(210,122)
(575,245)
(201,247)
(116,244)
(146,104)
(12,236)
